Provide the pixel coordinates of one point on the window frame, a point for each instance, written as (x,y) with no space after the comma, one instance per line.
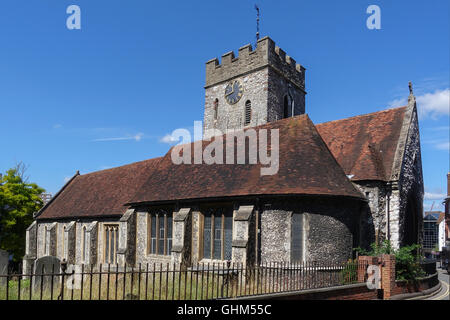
(115,242)
(227,211)
(153,248)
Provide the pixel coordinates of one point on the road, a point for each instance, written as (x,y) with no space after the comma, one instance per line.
(444,293)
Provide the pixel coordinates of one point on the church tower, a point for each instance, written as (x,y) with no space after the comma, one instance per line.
(256,87)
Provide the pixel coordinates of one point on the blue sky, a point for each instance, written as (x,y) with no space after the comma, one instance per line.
(107,94)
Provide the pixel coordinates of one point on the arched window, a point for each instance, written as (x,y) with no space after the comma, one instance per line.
(111,243)
(216,109)
(248,112)
(63,241)
(286,107)
(84,252)
(46,244)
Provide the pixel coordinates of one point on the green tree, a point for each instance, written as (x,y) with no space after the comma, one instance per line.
(18,201)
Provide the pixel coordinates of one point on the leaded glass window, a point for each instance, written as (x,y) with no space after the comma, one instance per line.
(297,237)
(111,243)
(217,233)
(160,232)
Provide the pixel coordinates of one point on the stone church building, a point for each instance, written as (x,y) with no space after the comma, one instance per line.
(339,185)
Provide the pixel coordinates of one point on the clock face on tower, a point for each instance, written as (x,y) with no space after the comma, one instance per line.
(233,92)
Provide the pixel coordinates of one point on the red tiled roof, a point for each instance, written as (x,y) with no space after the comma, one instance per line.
(306,167)
(365,145)
(101,193)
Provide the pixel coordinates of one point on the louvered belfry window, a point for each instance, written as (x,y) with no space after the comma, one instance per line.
(217,233)
(248,112)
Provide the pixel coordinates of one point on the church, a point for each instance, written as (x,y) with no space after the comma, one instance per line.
(339,185)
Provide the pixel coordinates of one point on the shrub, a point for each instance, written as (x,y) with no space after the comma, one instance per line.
(407,266)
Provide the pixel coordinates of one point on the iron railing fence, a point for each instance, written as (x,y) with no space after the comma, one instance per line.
(175,281)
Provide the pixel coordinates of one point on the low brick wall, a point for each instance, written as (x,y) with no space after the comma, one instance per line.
(402,287)
(348,292)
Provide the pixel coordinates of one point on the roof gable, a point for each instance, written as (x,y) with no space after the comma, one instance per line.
(365,145)
(100,193)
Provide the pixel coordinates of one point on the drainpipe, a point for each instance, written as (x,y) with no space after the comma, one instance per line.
(388,216)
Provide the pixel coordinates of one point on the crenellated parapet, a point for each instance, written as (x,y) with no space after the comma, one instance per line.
(248,60)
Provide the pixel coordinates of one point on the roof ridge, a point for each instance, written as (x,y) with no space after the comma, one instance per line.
(364,115)
(122,166)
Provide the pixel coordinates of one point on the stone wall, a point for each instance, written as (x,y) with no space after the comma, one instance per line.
(67,239)
(329,229)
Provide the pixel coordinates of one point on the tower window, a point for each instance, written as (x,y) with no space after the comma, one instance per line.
(248,112)
(286,107)
(216,108)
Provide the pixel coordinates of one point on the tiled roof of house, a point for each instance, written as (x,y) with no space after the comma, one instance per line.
(100,193)
(306,167)
(365,145)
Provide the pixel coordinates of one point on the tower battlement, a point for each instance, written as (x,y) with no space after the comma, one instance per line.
(248,60)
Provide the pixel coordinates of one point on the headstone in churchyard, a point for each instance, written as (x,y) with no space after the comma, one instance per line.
(4,257)
(43,269)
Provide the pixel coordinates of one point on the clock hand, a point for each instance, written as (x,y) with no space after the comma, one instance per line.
(232,90)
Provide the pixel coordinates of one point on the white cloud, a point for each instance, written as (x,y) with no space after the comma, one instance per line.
(434,196)
(170,139)
(136,137)
(434,104)
(57,126)
(443,145)
(66,179)
(431,104)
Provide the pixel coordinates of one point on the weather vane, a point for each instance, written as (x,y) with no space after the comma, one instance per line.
(257,24)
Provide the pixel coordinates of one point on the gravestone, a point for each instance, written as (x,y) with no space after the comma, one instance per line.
(4,257)
(43,269)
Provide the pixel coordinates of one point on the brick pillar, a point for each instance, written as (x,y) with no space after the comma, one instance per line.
(387,275)
(363,263)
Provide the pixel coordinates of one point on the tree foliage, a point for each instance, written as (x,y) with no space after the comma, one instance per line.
(18,201)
